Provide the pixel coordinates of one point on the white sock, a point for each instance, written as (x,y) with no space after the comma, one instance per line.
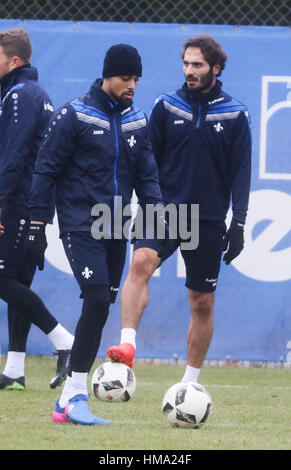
(61,338)
(14,367)
(74,385)
(128,336)
(66,393)
(191,374)
(79,383)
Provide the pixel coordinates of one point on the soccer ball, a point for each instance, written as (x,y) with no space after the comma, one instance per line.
(187,405)
(113,381)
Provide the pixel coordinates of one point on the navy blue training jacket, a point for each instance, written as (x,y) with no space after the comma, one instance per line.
(202,145)
(94,151)
(25,111)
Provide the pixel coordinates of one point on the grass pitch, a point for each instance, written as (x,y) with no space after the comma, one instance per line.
(251,411)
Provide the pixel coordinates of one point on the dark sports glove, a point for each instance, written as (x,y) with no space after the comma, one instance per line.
(233,241)
(36,244)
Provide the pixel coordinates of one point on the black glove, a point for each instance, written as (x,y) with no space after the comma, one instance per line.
(36,244)
(233,241)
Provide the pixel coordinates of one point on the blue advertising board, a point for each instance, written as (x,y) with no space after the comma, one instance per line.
(252,309)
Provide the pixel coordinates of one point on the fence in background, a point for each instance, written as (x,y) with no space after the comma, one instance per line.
(235,12)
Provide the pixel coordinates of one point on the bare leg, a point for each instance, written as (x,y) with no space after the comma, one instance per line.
(134,298)
(200,327)
(134,294)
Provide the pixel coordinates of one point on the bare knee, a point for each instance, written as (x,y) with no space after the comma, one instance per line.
(144,263)
(201,303)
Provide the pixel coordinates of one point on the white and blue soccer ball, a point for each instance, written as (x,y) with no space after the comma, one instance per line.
(113,381)
(187,405)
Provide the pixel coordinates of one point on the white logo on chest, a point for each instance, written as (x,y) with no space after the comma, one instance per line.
(131,141)
(218,127)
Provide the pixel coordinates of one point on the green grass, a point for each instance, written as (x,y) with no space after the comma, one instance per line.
(251,410)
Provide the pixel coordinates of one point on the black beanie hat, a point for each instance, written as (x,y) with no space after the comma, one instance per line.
(122,59)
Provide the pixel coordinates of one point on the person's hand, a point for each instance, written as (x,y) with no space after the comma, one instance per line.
(36,244)
(162,229)
(155,227)
(233,241)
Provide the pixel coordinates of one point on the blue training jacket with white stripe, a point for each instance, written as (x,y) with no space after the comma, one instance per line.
(25,111)
(202,145)
(94,150)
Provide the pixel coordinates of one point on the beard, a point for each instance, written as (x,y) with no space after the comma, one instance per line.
(124,101)
(205,82)
(121,100)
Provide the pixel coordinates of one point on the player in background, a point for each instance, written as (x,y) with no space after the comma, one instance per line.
(97,150)
(25,111)
(202,144)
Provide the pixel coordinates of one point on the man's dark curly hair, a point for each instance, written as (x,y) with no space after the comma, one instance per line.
(211,50)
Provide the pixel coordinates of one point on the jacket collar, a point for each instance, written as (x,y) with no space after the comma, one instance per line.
(18,75)
(189,96)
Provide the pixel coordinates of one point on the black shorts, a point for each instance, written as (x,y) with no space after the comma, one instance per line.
(95,262)
(13,262)
(203,263)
